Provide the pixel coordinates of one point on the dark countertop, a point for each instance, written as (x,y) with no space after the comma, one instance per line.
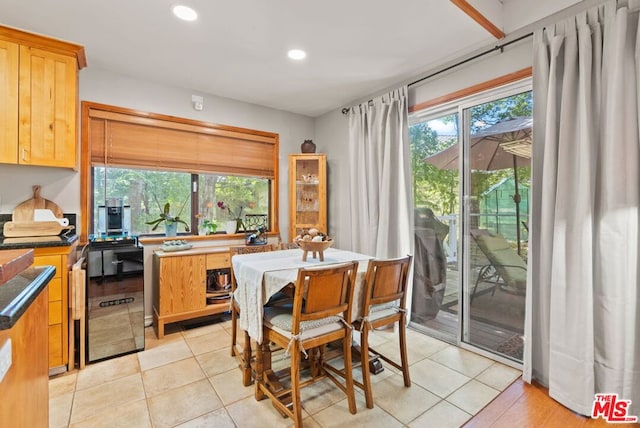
(36,242)
(17,294)
(64,239)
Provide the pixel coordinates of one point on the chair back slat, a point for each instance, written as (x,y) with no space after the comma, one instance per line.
(386,281)
(250,249)
(324,292)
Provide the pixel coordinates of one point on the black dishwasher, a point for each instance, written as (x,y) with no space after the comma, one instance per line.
(115,297)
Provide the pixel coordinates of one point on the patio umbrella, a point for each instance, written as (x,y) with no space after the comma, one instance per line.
(506,144)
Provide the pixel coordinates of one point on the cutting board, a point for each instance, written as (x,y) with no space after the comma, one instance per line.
(33,228)
(24,210)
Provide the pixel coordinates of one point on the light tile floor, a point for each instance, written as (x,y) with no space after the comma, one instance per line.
(188,379)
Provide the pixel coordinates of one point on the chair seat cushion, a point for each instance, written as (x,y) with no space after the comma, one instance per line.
(280,320)
(382,312)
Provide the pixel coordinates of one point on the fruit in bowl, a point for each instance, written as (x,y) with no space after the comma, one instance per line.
(315,243)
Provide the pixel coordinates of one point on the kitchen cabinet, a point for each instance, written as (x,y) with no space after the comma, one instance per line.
(307,193)
(24,384)
(62,258)
(180,285)
(38,99)
(9,101)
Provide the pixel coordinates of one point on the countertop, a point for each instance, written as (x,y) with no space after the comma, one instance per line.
(19,292)
(192,251)
(37,242)
(62,240)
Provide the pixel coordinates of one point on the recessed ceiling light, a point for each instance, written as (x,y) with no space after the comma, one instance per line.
(185,13)
(297,54)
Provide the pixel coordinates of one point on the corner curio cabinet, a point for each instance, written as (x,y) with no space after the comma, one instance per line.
(307,193)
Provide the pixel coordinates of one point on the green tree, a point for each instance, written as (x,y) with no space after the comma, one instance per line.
(487,114)
(433,188)
(439,189)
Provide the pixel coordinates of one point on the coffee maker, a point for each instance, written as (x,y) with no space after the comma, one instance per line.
(114,217)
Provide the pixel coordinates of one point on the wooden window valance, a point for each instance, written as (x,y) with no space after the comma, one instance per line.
(129,138)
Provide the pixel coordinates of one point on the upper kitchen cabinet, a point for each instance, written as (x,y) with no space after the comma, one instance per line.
(38,99)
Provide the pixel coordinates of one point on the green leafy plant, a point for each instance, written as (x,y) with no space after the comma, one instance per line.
(166,216)
(211,226)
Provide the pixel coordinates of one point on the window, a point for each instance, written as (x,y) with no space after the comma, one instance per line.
(144,194)
(244,198)
(204,171)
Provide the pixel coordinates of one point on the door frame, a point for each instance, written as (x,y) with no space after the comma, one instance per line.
(462,107)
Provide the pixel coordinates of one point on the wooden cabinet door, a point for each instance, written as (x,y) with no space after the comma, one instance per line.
(57,308)
(8,102)
(182,284)
(48,106)
(61,258)
(25,386)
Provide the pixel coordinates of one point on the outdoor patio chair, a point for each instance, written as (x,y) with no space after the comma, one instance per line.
(506,269)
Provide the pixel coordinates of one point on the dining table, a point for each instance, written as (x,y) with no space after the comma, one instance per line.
(261,275)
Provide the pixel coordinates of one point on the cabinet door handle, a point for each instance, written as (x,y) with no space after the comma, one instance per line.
(24,151)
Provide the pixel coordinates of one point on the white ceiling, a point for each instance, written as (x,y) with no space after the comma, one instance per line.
(237,49)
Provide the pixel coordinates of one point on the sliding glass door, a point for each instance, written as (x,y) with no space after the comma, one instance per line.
(497,171)
(471,221)
(436,200)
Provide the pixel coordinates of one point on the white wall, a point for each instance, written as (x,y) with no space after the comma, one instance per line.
(513,58)
(508,14)
(62,186)
(332,136)
(58,185)
(538,10)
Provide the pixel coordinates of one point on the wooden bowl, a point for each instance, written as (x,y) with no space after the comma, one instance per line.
(316,247)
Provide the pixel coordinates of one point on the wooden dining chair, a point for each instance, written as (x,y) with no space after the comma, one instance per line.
(321,314)
(384,304)
(242,353)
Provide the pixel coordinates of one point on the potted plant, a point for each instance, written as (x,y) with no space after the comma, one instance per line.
(211,226)
(170,221)
(234,223)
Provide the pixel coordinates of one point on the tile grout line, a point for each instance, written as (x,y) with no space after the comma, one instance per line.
(385,340)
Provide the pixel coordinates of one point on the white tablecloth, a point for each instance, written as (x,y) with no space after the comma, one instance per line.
(260,275)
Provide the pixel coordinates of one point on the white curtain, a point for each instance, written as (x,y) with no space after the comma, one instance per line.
(380,176)
(583,324)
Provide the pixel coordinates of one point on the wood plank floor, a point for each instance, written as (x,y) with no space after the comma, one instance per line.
(524,405)
(481,334)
